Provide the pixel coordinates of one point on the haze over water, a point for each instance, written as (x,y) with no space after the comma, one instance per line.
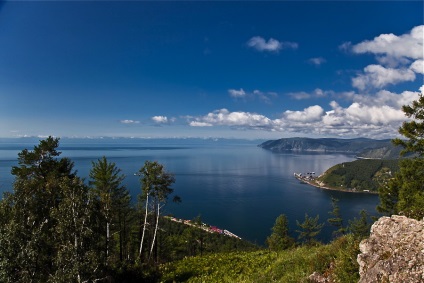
(233,185)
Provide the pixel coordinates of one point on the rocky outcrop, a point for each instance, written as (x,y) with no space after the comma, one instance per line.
(394,252)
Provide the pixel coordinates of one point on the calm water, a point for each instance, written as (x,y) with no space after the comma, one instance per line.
(238,187)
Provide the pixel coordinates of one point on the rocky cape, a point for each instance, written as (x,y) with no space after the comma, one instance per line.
(361,147)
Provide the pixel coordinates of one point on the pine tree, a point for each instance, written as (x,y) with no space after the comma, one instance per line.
(280,238)
(336,220)
(310,228)
(37,191)
(46,224)
(404,194)
(360,228)
(106,180)
(413,129)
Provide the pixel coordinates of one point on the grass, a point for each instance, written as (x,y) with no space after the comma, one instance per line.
(337,259)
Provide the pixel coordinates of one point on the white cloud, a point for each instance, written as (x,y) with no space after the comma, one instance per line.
(160,119)
(345,46)
(374,116)
(265,97)
(392,62)
(317,61)
(418,66)
(199,124)
(317,93)
(378,76)
(237,93)
(310,114)
(394,54)
(272,45)
(223,117)
(409,45)
(129,122)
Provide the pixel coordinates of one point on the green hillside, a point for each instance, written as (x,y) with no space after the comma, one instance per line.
(360,175)
(337,259)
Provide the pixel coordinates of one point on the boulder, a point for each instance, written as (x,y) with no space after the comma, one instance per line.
(394,252)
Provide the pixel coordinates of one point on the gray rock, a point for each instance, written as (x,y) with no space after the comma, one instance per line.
(317,277)
(394,252)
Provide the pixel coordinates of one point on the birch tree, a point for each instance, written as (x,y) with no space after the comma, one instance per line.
(79,255)
(156,187)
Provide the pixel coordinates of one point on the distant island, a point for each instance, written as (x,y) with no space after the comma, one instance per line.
(362,148)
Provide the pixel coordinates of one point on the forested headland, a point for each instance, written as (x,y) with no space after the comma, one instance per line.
(363,175)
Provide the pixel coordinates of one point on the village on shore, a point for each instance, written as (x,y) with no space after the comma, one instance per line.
(204,227)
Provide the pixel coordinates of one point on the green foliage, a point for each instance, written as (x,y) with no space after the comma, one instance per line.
(336,220)
(156,187)
(345,266)
(360,175)
(310,228)
(177,240)
(78,251)
(46,235)
(114,201)
(360,228)
(337,259)
(279,238)
(413,129)
(53,227)
(155,181)
(404,194)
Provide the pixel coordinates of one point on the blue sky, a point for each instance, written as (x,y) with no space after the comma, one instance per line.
(208,69)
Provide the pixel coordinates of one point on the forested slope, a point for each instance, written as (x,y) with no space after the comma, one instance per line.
(360,175)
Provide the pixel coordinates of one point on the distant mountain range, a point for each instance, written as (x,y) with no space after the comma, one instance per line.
(361,147)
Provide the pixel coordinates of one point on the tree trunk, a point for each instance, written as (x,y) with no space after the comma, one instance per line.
(107,240)
(156,230)
(144,226)
(121,233)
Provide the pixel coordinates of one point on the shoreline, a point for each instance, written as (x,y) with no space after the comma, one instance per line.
(314,184)
(205,227)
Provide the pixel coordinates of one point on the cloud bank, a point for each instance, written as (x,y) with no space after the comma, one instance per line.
(377,116)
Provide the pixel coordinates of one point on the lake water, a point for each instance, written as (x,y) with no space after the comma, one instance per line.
(236,186)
